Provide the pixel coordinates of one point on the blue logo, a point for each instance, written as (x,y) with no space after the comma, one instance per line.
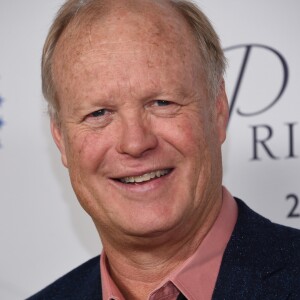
(1,119)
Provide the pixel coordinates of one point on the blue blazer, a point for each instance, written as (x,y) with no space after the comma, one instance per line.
(261,261)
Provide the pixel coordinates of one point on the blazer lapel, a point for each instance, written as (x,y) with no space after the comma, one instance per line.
(254,265)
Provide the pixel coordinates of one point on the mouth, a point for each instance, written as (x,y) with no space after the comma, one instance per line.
(144,177)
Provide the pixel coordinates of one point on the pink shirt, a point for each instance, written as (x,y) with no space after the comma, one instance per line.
(196,277)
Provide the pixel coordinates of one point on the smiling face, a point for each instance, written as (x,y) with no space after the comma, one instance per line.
(138,132)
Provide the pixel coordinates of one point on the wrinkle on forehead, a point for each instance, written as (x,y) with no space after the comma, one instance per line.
(153,35)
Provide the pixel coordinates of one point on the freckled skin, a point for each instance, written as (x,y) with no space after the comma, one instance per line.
(123,64)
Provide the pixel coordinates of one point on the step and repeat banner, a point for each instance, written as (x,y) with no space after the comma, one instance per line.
(43,230)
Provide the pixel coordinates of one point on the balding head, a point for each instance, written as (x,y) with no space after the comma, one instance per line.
(177,21)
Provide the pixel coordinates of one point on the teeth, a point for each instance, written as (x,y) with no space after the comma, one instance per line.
(145,177)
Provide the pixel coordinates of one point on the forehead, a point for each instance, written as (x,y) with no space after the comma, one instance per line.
(155,36)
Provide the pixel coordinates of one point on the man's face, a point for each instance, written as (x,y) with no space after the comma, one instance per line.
(138,133)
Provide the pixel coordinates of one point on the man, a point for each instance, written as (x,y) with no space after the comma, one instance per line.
(139,112)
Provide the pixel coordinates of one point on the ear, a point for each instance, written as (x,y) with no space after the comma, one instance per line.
(222,112)
(59,141)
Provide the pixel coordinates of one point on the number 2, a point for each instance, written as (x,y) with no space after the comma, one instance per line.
(292,213)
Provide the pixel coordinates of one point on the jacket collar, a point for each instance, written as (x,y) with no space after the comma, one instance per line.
(254,264)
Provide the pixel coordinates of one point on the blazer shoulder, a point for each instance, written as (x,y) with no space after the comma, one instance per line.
(261,238)
(83,282)
(261,259)
(258,226)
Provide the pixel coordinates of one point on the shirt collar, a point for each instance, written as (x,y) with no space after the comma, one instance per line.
(196,278)
(109,289)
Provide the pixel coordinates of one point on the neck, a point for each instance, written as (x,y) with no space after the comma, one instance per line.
(139,265)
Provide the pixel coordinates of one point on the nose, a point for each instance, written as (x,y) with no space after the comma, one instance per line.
(136,136)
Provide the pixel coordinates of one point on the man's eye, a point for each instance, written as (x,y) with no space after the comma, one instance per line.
(162,103)
(100,117)
(164,108)
(99,113)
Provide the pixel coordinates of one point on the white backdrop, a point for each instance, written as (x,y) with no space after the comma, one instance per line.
(43,231)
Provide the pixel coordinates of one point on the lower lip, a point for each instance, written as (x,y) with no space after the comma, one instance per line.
(143,187)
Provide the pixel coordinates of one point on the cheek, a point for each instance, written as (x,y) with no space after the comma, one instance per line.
(86,150)
(195,138)
(186,135)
